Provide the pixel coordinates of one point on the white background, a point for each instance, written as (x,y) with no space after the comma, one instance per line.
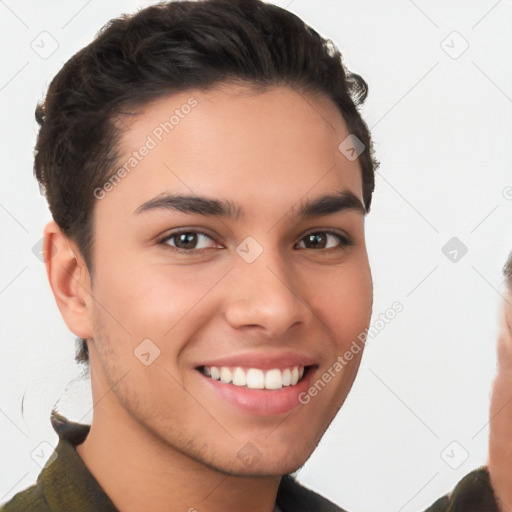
(442,130)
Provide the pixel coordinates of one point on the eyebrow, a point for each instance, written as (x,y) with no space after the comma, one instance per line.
(343,200)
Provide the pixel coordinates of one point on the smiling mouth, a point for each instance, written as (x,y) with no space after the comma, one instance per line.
(256,378)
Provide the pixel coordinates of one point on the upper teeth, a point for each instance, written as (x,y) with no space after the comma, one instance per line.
(254,378)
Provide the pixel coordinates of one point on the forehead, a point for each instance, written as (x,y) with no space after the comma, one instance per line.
(274,144)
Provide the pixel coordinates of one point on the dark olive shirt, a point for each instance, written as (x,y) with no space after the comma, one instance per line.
(472,494)
(66,485)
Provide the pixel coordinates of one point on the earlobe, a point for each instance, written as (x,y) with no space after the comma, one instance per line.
(69,280)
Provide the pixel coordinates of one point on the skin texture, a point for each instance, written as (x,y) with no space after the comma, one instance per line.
(500,426)
(160,438)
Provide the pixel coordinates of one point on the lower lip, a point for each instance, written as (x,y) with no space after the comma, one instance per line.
(266,402)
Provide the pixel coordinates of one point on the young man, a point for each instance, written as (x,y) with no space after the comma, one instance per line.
(208,174)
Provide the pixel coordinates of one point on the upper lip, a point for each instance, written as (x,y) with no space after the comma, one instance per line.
(265,361)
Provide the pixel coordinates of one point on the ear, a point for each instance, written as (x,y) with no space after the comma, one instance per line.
(69,280)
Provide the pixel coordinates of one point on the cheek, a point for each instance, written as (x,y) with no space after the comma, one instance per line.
(148,299)
(344,302)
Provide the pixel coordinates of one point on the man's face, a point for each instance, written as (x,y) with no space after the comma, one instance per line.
(265,294)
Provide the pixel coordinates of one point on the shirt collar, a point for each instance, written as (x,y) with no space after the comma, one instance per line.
(65,481)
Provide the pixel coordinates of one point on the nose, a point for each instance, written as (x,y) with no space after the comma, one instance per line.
(265,295)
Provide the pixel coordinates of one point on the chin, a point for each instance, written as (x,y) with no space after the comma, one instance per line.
(250,461)
(269,468)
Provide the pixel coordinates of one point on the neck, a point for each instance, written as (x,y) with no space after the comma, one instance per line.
(140,472)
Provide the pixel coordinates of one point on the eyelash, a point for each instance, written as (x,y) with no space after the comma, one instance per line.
(345,241)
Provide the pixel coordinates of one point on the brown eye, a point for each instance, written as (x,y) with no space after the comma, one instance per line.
(187,241)
(325,240)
